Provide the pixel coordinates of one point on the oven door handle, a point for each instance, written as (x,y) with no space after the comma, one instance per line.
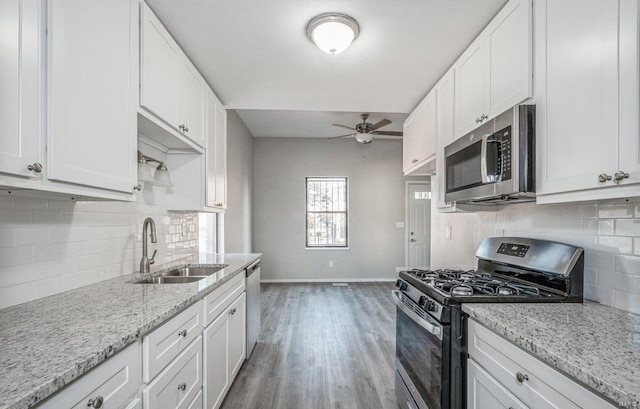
(408,311)
(483,158)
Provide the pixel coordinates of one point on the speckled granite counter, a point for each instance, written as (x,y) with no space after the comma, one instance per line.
(596,344)
(47,343)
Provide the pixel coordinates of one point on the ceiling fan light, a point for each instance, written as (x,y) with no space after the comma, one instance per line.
(333,32)
(364,138)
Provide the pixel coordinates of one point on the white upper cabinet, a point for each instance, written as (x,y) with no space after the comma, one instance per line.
(444,135)
(216,154)
(419,137)
(92,93)
(587,96)
(170,87)
(495,72)
(20,36)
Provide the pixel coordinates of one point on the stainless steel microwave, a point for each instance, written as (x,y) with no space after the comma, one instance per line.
(495,163)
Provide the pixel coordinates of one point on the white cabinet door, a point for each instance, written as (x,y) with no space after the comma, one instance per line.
(427,128)
(216,361)
(92,84)
(237,334)
(444,134)
(190,102)
(510,44)
(159,68)
(221,158)
(577,95)
(471,91)
(484,392)
(409,143)
(20,33)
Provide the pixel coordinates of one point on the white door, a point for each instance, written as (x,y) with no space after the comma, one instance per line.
(190,102)
(92,102)
(484,392)
(577,116)
(20,33)
(471,90)
(419,227)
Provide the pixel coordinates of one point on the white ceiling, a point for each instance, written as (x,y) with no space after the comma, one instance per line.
(256,56)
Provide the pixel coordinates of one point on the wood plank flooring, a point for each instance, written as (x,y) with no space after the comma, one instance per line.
(321,347)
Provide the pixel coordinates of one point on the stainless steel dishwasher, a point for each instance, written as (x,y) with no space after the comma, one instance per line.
(253,306)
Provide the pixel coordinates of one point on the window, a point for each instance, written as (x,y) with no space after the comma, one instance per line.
(327,212)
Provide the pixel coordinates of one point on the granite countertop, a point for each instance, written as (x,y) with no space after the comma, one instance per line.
(595,344)
(49,342)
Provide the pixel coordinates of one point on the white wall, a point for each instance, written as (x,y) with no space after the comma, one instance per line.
(237,218)
(609,231)
(50,246)
(376,194)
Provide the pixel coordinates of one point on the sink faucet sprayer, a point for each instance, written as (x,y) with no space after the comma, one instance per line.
(145,263)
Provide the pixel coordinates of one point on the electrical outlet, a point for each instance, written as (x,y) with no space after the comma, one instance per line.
(184,228)
(330,263)
(447,232)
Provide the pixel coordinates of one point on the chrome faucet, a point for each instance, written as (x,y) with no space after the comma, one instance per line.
(145,263)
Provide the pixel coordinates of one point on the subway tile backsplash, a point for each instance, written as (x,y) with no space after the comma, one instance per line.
(50,246)
(609,231)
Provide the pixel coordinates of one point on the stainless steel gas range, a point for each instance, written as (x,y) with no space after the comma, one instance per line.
(430,325)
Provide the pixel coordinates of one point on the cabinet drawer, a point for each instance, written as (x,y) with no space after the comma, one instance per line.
(483,391)
(545,386)
(179,384)
(165,343)
(116,381)
(222,297)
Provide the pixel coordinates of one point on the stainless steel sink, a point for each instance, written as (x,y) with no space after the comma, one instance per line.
(183,275)
(194,271)
(169,280)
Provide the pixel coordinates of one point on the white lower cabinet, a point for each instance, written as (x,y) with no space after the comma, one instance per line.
(224,351)
(501,374)
(179,383)
(114,383)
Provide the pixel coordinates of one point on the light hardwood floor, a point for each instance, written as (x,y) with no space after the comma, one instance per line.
(321,347)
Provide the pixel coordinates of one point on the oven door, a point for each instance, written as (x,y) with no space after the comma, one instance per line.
(422,354)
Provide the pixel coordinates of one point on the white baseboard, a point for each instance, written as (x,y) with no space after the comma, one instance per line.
(329,280)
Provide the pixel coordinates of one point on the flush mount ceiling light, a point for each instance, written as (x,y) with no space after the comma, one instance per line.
(333,32)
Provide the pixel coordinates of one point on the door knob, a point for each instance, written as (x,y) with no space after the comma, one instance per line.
(620,175)
(603,177)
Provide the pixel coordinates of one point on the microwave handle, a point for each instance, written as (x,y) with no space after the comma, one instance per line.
(483,158)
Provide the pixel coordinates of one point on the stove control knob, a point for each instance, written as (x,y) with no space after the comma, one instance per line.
(431,306)
(402,286)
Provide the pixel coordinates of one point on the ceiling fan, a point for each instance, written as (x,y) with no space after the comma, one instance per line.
(365,131)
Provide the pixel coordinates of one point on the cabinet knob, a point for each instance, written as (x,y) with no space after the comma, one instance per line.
(232,311)
(414,161)
(483,117)
(181,127)
(218,204)
(478,120)
(182,386)
(95,403)
(603,177)
(35,167)
(620,176)
(186,128)
(137,187)
(183,333)
(520,377)
(413,240)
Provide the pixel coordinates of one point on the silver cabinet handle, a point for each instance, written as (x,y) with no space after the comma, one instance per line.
(181,127)
(232,311)
(603,177)
(619,176)
(183,333)
(483,117)
(186,128)
(182,386)
(218,204)
(413,240)
(137,187)
(35,167)
(414,161)
(478,120)
(95,403)
(520,377)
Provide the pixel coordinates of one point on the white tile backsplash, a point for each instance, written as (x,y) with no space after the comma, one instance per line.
(609,231)
(49,246)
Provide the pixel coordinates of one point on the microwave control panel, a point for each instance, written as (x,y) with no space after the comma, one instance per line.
(505,152)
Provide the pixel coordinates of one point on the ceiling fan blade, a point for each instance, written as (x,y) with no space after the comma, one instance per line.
(344,126)
(380,124)
(341,136)
(387,133)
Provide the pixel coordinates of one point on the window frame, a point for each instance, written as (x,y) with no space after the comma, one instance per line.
(307,212)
